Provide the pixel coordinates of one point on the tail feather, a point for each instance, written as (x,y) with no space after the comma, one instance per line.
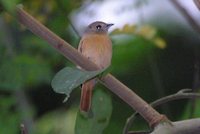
(86,95)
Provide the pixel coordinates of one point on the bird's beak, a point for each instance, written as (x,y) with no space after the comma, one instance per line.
(109,25)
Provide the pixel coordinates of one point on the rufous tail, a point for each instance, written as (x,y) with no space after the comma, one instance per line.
(86,95)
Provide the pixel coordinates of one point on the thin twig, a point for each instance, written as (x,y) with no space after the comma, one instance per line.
(197,3)
(7,38)
(182,94)
(187,16)
(196,27)
(73,27)
(22,102)
(158,82)
(62,8)
(23,129)
(126,94)
(196,82)
(25,108)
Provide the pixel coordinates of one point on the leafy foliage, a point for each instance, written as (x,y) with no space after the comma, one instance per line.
(101,109)
(69,78)
(147,32)
(9,5)
(57,122)
(9,116)
(21,71)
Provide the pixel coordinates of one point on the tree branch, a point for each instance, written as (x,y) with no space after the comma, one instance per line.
(182,94)
(126,94)
(191,126)
(197,3)
(187,16)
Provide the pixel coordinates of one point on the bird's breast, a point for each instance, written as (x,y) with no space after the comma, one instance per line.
(97,48)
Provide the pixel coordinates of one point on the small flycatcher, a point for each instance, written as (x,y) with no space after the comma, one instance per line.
(96,45)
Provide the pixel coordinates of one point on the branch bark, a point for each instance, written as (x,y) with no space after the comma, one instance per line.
(126,94)
(191,126)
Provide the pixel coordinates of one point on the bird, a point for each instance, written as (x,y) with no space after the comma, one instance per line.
(95,45)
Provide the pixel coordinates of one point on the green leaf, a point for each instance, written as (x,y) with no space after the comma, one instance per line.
(69,78)
(102,110)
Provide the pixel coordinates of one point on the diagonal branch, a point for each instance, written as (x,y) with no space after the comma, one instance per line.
(187,16)
(126,94)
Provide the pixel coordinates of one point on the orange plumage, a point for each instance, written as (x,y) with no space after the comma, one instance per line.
(97,47)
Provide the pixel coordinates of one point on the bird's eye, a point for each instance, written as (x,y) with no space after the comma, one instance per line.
(98,27)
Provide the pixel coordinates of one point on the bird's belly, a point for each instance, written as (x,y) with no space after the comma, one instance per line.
(99,52)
